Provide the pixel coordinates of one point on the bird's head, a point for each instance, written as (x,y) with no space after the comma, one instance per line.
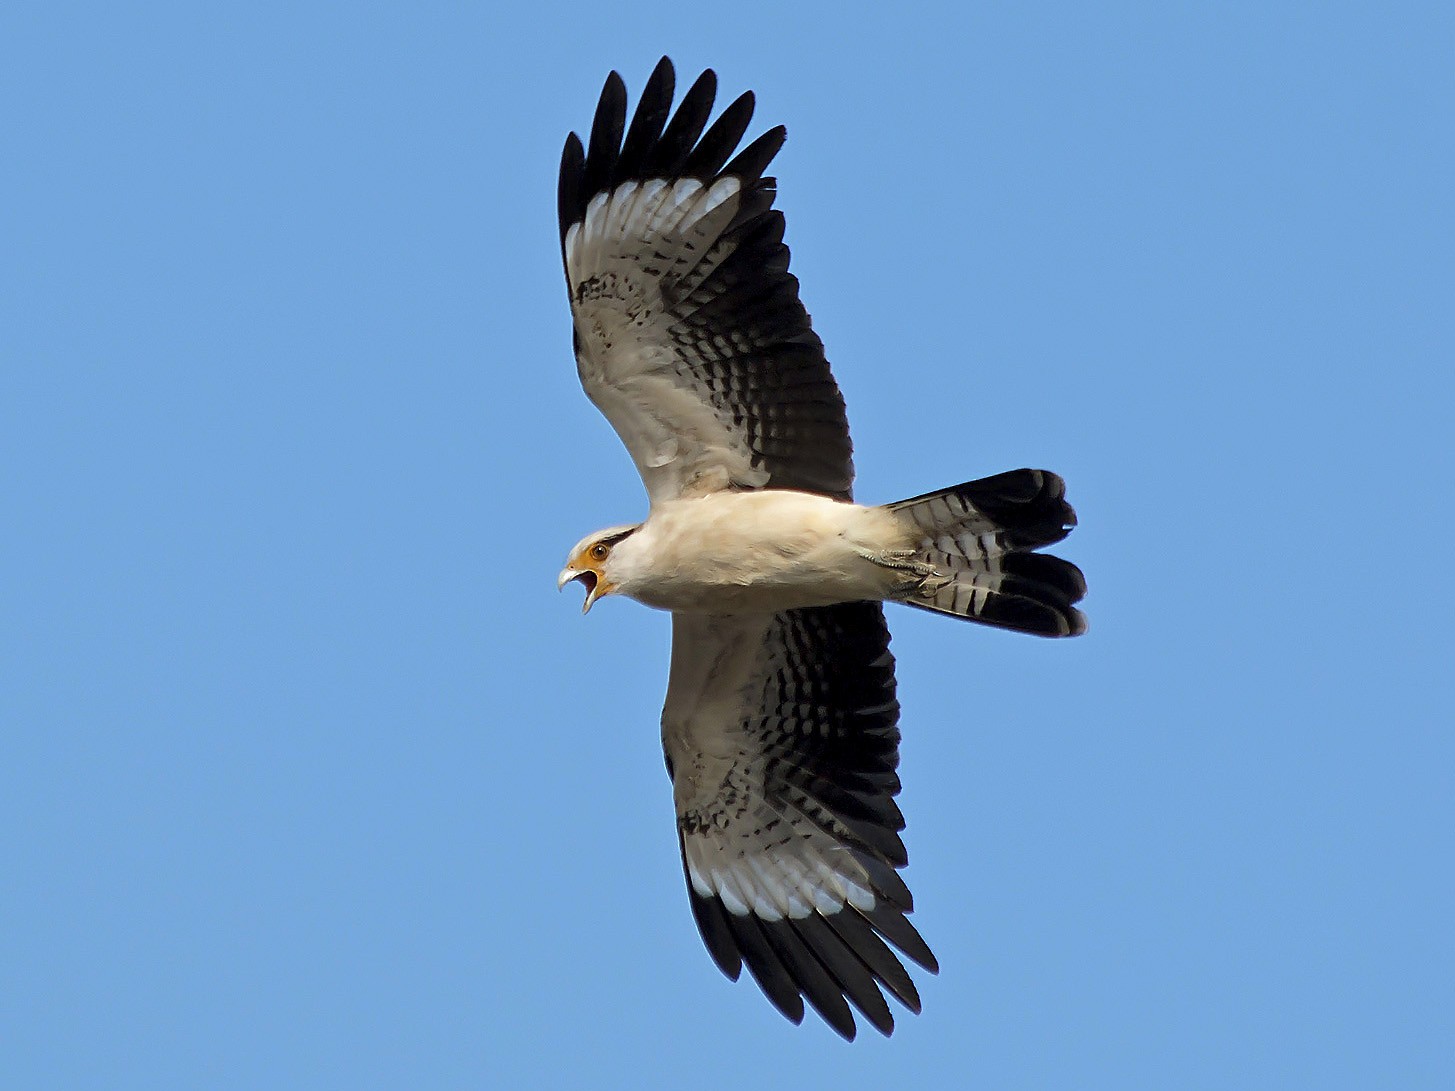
(589,560)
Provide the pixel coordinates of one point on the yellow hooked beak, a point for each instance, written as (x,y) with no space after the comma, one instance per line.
(595,583)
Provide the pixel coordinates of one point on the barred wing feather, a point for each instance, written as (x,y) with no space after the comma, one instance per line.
(689,333)
(782,739)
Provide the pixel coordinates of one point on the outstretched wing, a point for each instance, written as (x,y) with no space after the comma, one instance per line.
(689,333)
(782,739)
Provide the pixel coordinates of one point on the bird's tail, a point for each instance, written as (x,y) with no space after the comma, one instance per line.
(973,556)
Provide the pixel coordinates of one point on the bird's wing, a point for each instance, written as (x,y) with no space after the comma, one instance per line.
(689,333)
(782,739)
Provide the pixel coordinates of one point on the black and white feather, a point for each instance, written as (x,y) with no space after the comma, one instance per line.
(689,333)
(781,734)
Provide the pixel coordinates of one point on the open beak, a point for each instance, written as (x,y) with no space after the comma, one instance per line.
(588,578)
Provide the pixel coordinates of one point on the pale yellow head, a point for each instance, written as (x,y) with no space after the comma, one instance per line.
(587,562)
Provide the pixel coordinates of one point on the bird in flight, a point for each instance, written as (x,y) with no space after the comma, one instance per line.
(780,724)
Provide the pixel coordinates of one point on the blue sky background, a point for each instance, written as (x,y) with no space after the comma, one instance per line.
(310,779)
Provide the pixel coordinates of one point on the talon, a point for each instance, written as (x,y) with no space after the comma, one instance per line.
(901,560)
(933,584)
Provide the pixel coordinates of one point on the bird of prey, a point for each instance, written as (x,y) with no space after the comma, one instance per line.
(780,724)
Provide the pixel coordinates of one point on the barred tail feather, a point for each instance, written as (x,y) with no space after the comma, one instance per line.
(973,553)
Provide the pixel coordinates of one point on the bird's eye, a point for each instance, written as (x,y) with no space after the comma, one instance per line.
(599,551)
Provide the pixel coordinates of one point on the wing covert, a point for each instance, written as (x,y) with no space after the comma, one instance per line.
(689,332)
(782,738)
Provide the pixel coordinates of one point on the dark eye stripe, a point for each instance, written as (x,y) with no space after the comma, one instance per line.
(612,539)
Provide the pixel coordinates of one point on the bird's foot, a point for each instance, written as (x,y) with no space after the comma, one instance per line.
(923,578)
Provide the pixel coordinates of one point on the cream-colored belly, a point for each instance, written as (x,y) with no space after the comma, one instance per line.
(759,552)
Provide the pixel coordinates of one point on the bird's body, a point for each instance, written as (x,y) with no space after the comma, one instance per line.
(780,725)
(757,552)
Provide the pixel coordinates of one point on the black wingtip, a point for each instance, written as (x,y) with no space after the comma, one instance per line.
(660,142)
(753,160)
(768,970)
(568,189)
(670,153)
(653,108)
(713,927)
(809,975)
(858,936)
(606,130)
(848,969)
(721,138)
(895,927)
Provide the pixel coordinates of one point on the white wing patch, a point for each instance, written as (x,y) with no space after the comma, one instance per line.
(803,872)
(634,242)
(771,857)
(667,227)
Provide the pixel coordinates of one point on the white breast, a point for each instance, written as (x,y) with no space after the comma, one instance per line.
(736,552)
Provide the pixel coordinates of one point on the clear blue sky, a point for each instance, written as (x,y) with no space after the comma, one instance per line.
(309,778)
